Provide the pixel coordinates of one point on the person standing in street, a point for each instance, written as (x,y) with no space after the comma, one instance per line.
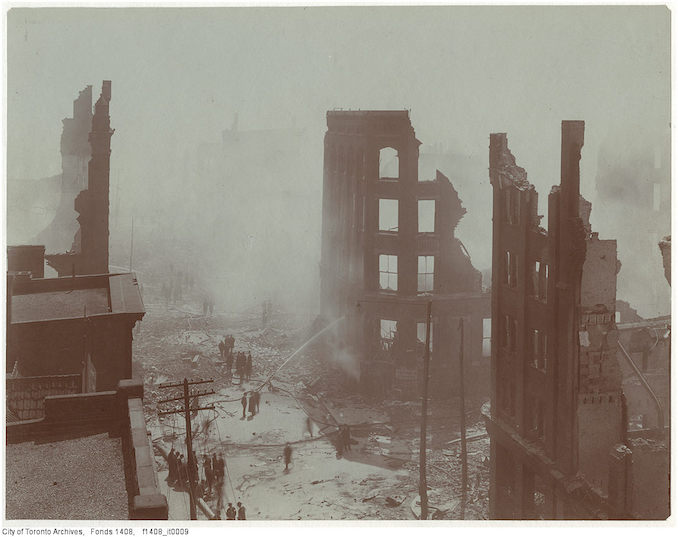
(241,511)
(209,473)
(248,366)
(346,438)
(287,455)
(230,512)
(252,403)
(243,402)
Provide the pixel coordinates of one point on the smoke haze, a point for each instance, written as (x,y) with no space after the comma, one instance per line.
(245,216)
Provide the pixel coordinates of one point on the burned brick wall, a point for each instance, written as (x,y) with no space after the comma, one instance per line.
(388,247)
(75,154)
(555,379)
(89,251)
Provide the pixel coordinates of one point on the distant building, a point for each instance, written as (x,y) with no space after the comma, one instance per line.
(388,248)
(558,424)
(76,325)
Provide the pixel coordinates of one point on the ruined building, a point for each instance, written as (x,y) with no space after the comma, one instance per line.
(75,154)
(558,421)
(388,248)
(89,251)
(79,326)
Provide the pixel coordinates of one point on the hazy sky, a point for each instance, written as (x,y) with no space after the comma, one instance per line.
(463,72)
(179,75)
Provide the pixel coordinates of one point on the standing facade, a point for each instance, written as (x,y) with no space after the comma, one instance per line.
(388,248)
(89,253)
(557,418)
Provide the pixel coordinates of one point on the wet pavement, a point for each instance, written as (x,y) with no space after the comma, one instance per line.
(376,479)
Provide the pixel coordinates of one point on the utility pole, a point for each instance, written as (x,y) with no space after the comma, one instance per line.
(186,399)
(423,494)
(462,421)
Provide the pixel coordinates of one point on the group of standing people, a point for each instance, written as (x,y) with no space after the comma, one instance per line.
(243,362)
(243,365)
(231,512)
(213,467)
(252,401)
(181,471)
(226,346)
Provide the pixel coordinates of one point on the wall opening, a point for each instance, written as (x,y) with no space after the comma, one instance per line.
(538,350)
(421,335)
(487,337)
(388,272)
(425,274)
(389,329)
(389,165)
(427,216)
(388,215)
(540,281)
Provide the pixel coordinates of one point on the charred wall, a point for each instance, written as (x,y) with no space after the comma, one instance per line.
(89,251)
(388,247)
(75,154)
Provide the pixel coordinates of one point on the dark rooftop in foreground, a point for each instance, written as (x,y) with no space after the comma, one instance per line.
(44,299)
(70,479)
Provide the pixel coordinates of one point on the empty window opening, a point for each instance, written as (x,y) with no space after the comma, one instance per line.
(510,269)
(421,335)
(538,349)
(425,274)
(389,163)
(540,277)
(388,215)
(617,317)
(388,272)
(656,196)
(535,278)
(389,330)
(427,216)
(487,337)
